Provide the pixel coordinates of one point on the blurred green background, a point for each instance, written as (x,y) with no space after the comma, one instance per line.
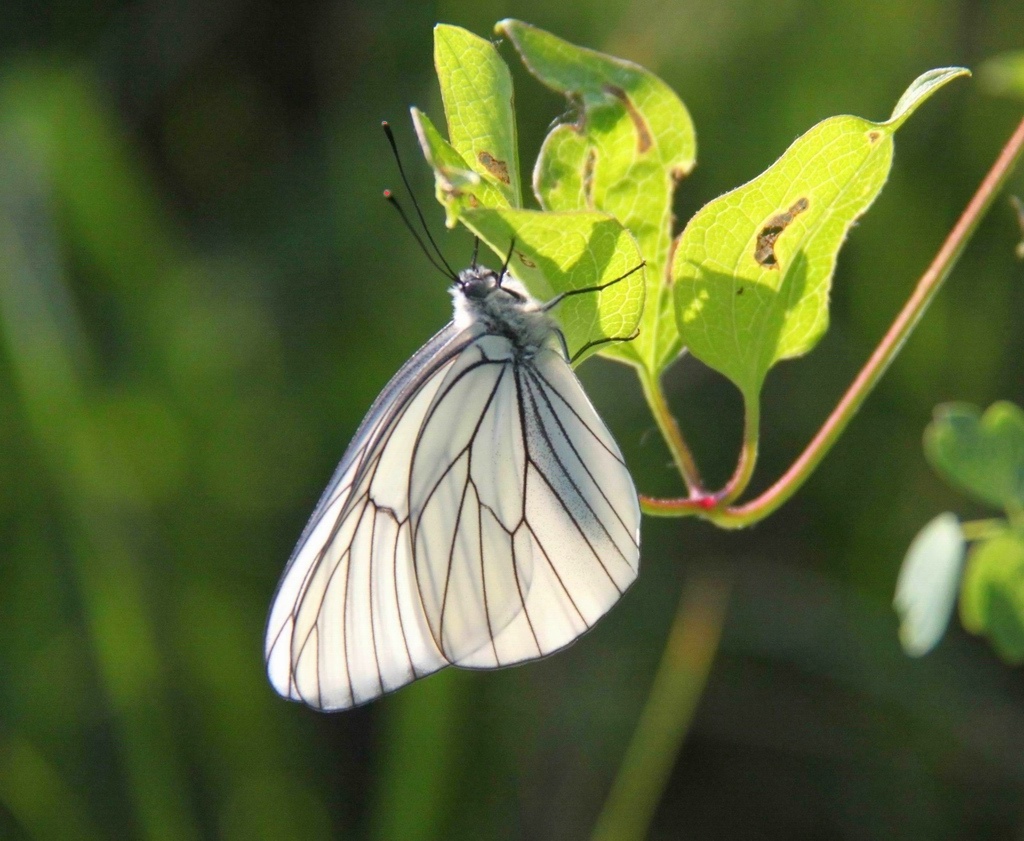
(201,292)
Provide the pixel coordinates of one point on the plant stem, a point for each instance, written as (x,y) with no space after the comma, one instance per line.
(672,434)
(678,685)
(748,452)
(714,509)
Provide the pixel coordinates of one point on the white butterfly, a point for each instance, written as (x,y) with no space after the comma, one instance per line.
(481,516)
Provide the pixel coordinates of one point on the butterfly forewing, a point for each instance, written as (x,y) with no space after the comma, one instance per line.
(346,623)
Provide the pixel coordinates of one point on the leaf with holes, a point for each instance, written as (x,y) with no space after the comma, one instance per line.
(476,89)
(555,252)
(458,186)
(630,141)
(753,268)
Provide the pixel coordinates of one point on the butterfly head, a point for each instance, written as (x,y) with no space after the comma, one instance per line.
(500,304)
(479,283)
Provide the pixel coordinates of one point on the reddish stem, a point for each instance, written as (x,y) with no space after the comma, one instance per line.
(711,506)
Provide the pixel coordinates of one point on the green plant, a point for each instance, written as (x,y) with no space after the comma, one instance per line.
(981,455)
(744,286)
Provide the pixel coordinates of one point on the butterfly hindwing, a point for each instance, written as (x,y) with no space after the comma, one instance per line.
(577,544)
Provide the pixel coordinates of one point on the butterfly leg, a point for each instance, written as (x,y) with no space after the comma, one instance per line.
(603,341)
(554,302)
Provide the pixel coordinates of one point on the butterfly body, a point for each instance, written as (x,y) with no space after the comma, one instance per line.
(481,516)
(501,307)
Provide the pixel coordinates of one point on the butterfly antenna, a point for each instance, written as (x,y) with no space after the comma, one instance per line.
(508,259)
(476,251)
(389,197)
(416,205)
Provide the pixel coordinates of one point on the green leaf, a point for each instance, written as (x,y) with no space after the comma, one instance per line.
(476,88)
(457,186)
(555,252)
(630,143)
(1003,74)
(980,454)
(992,596)
(921,89)
(753,268)
(927,585)
(560,252)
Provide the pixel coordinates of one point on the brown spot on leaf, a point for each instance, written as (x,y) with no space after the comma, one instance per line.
(499,169)
(643,133)
(739,291)
(764,249)
(588,176)
(673,246)
(873,136)
(526,261)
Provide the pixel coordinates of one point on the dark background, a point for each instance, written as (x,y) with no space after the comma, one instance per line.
(201,292)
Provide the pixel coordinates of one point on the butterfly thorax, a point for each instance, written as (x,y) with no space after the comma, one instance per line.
(501,306)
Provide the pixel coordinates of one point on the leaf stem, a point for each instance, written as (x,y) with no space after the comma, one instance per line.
(716,508)
(682,456)
(668,712)
(748,453)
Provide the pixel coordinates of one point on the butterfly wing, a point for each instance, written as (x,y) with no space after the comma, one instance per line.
(482,516)
(346,624)
(525,521)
